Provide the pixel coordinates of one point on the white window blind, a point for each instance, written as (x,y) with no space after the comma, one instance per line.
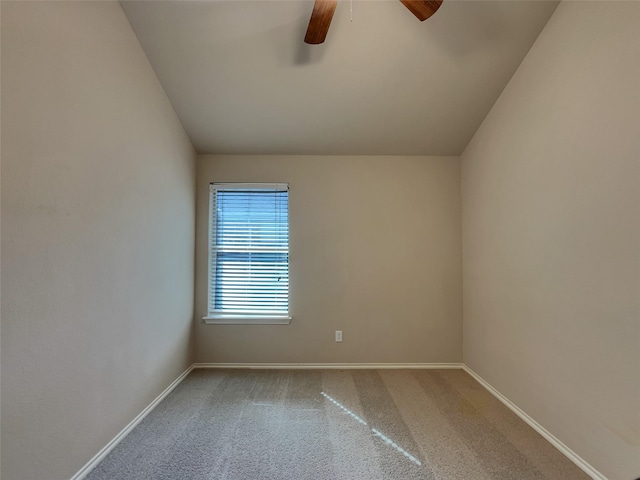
(248,250)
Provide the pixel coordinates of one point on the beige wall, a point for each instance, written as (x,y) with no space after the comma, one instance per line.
(97,235)
(374,251)
(551,229)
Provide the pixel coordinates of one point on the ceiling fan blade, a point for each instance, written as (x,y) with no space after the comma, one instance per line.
(320,21)
(422,9)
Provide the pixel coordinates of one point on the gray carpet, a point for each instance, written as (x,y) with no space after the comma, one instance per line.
(333,424)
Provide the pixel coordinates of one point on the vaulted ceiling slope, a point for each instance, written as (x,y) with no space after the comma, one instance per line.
(243,81)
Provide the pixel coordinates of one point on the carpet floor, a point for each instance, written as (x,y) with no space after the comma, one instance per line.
(333,424)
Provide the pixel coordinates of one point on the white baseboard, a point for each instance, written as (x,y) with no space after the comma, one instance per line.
(98,457)
(329,366)
(570,454)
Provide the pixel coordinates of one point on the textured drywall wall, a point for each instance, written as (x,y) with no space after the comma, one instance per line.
(98,192)
(374,251)
(551,228)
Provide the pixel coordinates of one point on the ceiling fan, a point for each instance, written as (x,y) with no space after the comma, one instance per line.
(323,13)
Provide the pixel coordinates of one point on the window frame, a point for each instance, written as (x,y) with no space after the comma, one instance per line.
(222,318)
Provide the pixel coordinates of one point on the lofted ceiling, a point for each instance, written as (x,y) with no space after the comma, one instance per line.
(242,80)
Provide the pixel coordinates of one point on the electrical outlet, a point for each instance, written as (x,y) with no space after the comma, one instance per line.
(338,335)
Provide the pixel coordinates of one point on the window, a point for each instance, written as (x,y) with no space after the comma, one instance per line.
(248,253)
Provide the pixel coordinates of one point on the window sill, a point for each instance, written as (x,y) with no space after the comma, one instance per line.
(228,319)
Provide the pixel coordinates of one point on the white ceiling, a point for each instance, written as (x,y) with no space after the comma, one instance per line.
(243,81)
